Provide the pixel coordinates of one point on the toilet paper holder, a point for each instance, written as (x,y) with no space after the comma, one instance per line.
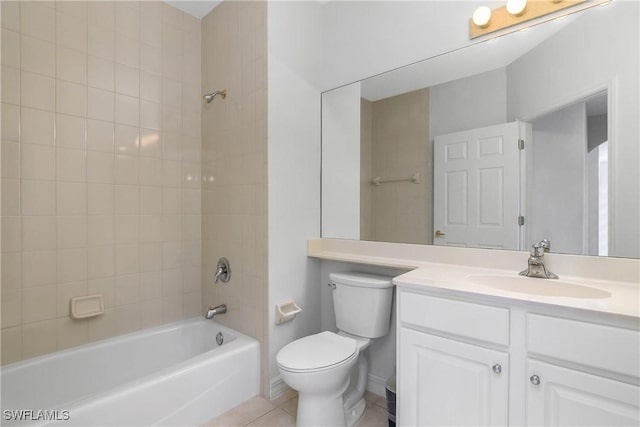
(286,311)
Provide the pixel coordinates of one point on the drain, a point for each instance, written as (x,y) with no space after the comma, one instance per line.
(219,338)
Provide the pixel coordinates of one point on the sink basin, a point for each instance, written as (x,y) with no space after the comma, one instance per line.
(533,286)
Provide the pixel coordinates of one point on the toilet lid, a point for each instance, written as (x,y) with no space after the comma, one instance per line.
(316,351)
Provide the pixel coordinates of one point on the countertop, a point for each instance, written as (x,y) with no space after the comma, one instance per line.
(611,284)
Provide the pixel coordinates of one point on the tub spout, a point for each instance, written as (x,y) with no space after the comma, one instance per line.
(219,309)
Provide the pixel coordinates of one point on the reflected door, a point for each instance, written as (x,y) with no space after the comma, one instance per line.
(478,187)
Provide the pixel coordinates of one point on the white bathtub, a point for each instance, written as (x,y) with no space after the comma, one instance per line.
(174,374)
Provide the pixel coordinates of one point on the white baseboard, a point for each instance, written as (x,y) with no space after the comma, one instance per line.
(277,387)
(377,385)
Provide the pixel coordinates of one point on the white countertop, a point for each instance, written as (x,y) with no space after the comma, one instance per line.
(620,298)
(612,284)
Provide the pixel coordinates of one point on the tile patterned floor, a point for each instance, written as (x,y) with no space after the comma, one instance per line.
(281,412)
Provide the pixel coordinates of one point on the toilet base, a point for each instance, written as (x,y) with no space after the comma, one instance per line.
(355,414)
(314,410)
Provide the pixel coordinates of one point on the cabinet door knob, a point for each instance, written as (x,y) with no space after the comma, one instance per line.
(535,380)
(497,368)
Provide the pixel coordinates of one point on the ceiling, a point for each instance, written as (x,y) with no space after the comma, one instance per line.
(199,9)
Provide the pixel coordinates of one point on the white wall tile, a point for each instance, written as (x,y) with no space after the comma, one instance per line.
(150,171)
(39,233)
(101,104)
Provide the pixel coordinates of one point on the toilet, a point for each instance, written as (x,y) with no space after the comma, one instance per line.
(319,367)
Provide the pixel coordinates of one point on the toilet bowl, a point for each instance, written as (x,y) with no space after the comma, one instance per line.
(319,366)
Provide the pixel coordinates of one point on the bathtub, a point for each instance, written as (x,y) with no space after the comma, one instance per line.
(175,374)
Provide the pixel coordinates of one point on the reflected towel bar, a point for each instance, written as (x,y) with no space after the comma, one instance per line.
(415,179)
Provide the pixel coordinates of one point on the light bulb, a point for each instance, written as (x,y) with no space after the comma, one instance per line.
(516,7)
(482,16)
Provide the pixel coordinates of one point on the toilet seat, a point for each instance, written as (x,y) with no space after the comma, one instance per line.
(317,352)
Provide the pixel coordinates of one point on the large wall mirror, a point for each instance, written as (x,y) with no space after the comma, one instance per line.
(501,144)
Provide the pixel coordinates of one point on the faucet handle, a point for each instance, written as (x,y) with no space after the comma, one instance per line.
(546,245)
(537,250)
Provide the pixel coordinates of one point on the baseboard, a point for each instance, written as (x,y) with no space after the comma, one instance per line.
(277,387)
(376,385)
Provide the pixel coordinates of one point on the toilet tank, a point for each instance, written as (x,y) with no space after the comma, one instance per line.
(362,303)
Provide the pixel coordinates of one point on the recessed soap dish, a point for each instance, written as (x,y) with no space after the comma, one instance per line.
(87,306)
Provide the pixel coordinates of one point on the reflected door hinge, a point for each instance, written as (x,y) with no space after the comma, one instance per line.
(521,220)
(521,144)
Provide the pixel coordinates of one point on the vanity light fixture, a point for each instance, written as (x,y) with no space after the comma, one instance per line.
(482,17)
(518,14)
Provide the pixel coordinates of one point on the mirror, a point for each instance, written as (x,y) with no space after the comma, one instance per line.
(501,144)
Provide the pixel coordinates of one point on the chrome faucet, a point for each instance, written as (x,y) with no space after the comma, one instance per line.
(536,266)
(218,309)
(223,271)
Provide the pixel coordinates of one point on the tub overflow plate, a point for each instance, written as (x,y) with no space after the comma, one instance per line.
(219,338)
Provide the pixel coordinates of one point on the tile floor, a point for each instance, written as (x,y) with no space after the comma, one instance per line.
(281,412)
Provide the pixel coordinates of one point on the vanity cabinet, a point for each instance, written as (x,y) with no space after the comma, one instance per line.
(467,362)
(450,377)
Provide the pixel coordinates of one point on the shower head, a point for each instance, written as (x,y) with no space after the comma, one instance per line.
(211,95)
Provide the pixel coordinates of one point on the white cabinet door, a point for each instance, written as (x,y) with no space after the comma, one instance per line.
(444,382)
(565,397)
(477,185)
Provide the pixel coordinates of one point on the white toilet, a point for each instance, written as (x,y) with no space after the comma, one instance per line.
(319,366)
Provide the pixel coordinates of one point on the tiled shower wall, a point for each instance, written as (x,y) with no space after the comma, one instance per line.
(235,165)
(101,109)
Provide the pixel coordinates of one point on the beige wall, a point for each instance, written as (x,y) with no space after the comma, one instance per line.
(234,150)
(402,211)
(366,162)
(100,170)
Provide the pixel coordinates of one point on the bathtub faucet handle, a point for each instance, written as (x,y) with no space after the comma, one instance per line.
(223,271)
